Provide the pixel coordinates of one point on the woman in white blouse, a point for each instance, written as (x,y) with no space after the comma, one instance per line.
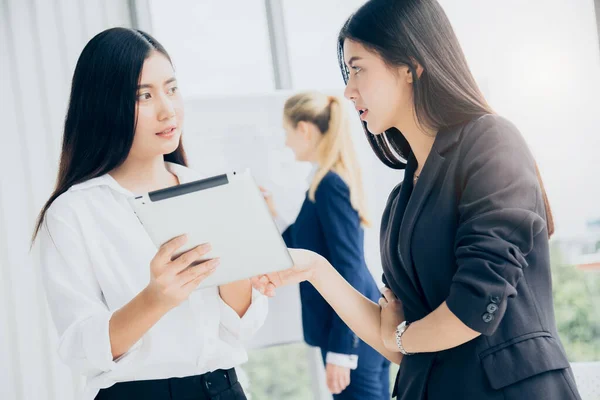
(129,317)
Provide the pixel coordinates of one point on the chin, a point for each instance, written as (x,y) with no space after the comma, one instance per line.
(298,157)
(375,129)
(171,147)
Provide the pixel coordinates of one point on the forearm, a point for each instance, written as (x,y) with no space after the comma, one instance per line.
(128,324)
(359,313)
(438,331)
(237,295)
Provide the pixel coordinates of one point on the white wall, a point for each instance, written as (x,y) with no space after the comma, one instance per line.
(40,41)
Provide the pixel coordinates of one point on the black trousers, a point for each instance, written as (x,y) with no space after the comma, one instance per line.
(216,385)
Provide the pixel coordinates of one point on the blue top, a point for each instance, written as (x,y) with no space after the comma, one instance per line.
(331,227)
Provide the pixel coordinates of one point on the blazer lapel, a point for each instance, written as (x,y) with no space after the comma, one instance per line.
(419,195)
(420,192)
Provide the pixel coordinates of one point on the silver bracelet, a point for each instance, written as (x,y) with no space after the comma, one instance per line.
(399,332)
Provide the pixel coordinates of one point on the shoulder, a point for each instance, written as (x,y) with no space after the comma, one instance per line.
(332,182)
(492,130)
(493,140)
(66,208)
(79,197)
(332,189)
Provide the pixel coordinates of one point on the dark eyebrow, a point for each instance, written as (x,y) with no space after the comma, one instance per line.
(148,86)
(352,59)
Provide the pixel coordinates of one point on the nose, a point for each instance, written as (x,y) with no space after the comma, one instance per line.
(166,109)
(350,91)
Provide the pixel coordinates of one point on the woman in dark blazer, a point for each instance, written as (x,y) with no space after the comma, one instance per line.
(464,239)
(330,223)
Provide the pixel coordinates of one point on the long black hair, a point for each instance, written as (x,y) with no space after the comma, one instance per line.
(407,33)
(101,118)
(418,32)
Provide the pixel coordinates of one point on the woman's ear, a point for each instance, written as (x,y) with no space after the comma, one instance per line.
(417,67)
(303,128)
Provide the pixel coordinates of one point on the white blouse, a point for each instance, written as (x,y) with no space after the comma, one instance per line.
(95,258)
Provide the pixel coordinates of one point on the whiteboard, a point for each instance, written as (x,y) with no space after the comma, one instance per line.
(238,132)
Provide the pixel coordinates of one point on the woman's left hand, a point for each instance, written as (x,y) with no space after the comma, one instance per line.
(391,316)
(305,266)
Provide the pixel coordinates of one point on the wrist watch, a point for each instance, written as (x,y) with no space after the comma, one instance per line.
(399,332)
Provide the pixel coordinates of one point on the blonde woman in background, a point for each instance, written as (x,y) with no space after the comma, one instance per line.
(330,223)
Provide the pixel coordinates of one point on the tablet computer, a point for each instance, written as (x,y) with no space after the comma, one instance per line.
(229,212)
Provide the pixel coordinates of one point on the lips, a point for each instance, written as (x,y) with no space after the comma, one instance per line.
(362,112)
(167,132)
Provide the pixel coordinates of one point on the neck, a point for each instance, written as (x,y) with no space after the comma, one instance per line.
(419,137)
(143,175)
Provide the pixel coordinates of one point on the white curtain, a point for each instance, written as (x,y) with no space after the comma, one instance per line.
(40,41)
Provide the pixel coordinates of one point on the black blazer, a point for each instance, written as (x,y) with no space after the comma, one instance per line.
(472,232)
(330,227)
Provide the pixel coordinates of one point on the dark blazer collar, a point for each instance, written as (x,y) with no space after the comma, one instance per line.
(412,197)
(446,138)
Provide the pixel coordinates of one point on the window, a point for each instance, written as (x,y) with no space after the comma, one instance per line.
(543,74)
(312,27)
(279,372)
(217,48)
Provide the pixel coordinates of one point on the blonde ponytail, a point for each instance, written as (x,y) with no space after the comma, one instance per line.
(335,151)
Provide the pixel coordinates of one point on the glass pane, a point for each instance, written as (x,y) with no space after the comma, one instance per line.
(312,27)
(542,72)
(217,49)
(279,372)
(576,292)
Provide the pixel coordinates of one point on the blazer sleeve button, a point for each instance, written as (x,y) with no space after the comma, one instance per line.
(487,318)
(492,308)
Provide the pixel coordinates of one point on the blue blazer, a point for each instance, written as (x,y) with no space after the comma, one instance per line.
(331,228)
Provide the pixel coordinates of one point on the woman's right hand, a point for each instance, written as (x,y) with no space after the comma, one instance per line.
(392,315)
(172,280)
(306,264)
